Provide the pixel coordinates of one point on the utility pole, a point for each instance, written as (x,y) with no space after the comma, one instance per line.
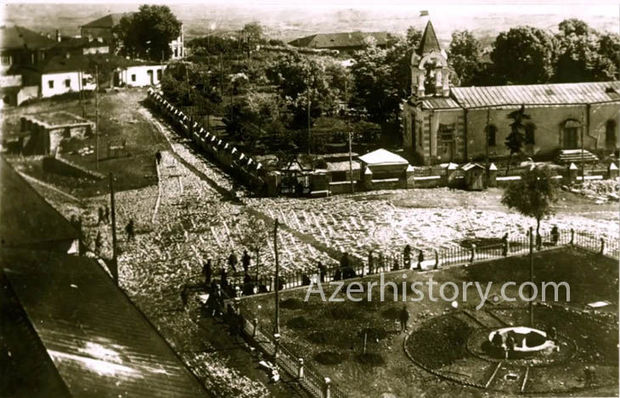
(277,277)
(113,209)
(97,115)
(276,330)
(583,173)
(531,303)
(351,163)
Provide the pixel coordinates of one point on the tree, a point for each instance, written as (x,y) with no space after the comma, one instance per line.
(465,56)
(524,55)
(148,32)
(516,138)
(303,83)
(533,195)
(381,80)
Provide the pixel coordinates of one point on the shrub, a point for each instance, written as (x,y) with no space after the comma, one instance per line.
(299,322)
(292,304)
(329,358)
(370,359)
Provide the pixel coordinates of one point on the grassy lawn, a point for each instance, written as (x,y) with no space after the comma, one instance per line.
(331,335)
(120,123)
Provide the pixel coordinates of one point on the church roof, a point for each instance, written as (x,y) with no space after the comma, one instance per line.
(382,157)
(429,42)
(537,94)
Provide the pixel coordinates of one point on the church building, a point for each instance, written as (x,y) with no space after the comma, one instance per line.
(443,123)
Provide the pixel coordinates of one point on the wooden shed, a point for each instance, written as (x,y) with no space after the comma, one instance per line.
(474,177)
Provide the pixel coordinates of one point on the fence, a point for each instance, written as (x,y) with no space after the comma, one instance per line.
(430,259)
(307,376)
(321,387)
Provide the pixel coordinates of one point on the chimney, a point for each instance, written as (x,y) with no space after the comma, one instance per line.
(58,35)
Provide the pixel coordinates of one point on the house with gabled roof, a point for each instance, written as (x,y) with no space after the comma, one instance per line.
(104,28)
(342,41)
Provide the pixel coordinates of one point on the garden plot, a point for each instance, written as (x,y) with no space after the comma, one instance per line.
(359,223)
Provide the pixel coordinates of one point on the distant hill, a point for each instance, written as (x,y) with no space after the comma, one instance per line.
(286,23)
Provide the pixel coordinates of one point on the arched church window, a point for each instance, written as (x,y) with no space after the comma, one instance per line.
(491,132)
(610,134)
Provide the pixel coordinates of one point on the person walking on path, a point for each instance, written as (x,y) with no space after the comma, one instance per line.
(245,262)
(100,216)
(232,262)
(207,271)
(370,262)
(322,272)
(407,257)
(403,316)
(129,230)
(420,260)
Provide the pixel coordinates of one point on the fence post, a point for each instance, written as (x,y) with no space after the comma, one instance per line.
(300,372)
(572,237)
(602,246)
(255,323)
(473,253)
(327,392)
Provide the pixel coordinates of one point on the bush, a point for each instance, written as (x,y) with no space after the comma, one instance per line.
(391,313)
(292,304)
(299,322)
(342,312)
(370,359)
(374,333)
(329,358)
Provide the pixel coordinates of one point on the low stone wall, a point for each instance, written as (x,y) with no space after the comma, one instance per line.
(240,165)
(64,167)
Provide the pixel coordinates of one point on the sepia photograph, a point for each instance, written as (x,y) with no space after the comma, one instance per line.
(311,199)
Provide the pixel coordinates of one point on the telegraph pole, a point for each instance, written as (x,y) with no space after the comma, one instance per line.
(97,115)
(531,303)
(113,210)
(276,330)
(351,163)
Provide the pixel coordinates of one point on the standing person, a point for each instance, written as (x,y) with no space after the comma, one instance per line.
(370,262)
(322,272)
(129,230)
(407,257)
(420,260)
(232,262)
(505,244)
(555,235)
(158,157)
(403,316)
(98,243)
(207,272)
(245,261)
(106,214)
(100,218)
(224,277)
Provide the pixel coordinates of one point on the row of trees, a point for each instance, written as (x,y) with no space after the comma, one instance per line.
(528,55)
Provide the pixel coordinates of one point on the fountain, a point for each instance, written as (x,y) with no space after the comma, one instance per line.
(520,342)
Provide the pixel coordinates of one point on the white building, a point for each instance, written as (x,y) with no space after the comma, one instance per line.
(141,75)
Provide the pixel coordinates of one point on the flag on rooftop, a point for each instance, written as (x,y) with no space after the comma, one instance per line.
(424,13)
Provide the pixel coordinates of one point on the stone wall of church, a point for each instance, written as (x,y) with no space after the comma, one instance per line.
(549,135)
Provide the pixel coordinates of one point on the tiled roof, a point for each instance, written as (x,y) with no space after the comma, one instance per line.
(100,343)
(382,157)
(340,40)
(537,94)
(107,21)
(429,42)
(14,37)
(84,62)
(439,103)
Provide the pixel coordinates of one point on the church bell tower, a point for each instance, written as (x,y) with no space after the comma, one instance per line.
(430,75)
